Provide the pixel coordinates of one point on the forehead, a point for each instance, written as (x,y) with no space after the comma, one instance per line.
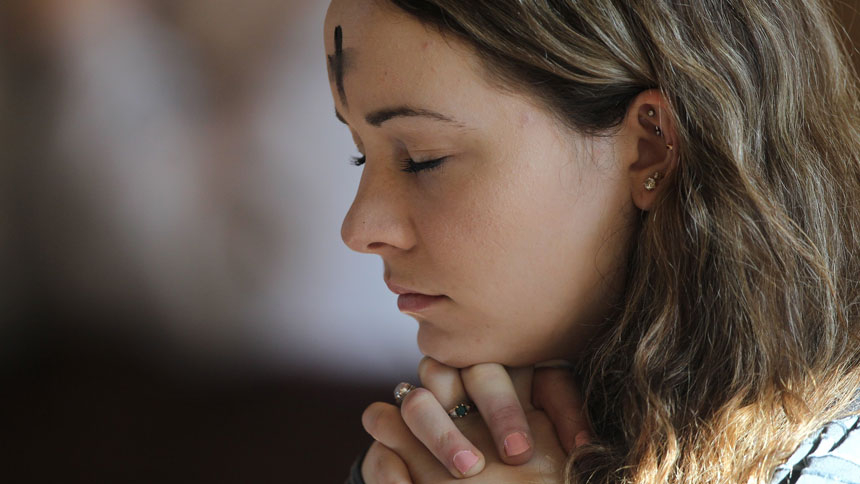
(391,58)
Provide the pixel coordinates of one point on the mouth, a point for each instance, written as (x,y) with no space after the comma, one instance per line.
(412,301)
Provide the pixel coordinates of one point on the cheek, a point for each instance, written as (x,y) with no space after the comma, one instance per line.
(498,231)
(463,232)
(521,260)
(516,244)
(514,233)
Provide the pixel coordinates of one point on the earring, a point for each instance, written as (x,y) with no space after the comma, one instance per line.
(651,182)
(658,131)
(651,113)
(670,147)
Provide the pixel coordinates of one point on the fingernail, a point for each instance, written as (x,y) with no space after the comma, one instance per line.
(582,438)
(465,460)
(516,444)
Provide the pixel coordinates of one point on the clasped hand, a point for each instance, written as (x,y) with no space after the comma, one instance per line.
(527,422)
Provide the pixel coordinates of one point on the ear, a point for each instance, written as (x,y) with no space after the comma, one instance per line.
(649,146)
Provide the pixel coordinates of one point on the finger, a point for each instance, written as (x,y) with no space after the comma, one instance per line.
(522,378)
(555,392)
(490,387)
(383,422)
(383,466)
(443,381)
(430,423)
(582,438)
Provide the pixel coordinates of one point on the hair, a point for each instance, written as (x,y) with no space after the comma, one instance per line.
(737,335)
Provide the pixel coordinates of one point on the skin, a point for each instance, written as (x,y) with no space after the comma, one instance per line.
(510,400)
(525,222)
(394,439)
(524,228)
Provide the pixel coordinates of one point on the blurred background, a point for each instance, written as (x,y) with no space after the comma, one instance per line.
(176,304)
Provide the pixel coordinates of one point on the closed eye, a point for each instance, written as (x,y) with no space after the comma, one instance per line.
(410,166)
(407,166)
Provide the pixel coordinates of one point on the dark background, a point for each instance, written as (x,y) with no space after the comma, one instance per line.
(83,400)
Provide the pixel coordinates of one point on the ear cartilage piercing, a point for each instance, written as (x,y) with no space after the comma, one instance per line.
(658,131)
(651,182)
(651,113)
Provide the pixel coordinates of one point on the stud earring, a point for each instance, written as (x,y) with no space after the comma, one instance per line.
(658,131)
(651,113)
(651,182)
(670,147)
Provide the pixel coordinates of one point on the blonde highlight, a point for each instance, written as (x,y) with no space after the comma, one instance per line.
(738,332)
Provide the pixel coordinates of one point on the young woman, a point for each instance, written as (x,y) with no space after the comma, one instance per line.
(662,192)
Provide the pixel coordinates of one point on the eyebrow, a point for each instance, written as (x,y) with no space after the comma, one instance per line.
(379,117)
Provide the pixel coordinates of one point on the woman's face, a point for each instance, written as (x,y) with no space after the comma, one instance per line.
(521,230)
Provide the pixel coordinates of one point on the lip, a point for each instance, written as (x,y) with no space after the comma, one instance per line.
(411,301)
(415,303)
(400,290)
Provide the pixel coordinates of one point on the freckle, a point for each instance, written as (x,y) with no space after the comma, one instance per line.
(425,45)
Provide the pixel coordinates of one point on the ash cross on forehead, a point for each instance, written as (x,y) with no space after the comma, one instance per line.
(338,63)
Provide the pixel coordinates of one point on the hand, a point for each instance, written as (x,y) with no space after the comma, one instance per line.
(498,397)
(398,453)
(555,392)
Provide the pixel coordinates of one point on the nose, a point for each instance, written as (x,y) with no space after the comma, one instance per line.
(379,219)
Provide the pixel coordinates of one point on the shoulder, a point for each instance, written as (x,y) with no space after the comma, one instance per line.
(831,455)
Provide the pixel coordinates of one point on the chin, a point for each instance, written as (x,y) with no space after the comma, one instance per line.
(454,352)
(445,350)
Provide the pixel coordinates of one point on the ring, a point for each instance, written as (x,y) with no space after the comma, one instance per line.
(460,410)
(401,390)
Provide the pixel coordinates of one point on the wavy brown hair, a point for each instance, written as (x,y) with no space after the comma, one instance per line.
(738,332)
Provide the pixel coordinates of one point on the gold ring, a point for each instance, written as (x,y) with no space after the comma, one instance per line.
(460,410)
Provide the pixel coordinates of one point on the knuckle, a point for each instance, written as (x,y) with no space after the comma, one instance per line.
(483,371)
(375,451)
(430,369)
(395,479)
(390,478)
(506,415)
(370,416)
(370,467)
(380,467)
(418,401)
(374,459)
(376,418)
(383,466)
(443,442)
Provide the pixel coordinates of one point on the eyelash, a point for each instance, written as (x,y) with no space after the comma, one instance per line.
(408,166)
